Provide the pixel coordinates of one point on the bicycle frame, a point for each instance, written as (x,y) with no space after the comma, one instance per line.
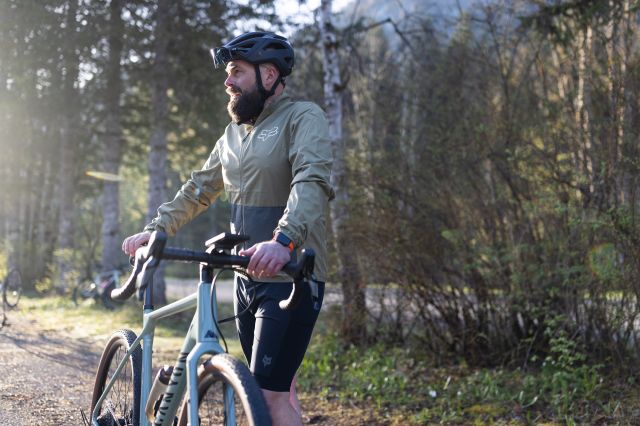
(201,339)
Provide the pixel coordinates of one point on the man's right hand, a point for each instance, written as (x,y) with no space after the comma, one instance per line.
(134,242)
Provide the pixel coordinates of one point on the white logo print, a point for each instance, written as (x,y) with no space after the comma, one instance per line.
(266,134)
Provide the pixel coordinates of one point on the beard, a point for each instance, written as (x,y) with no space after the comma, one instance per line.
(245,108)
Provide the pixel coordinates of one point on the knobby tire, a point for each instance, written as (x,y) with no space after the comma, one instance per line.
(213,376)
(122,405)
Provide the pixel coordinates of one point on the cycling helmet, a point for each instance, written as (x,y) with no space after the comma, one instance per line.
(257,48)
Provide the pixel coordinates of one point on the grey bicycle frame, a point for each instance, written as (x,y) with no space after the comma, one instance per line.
(201,339)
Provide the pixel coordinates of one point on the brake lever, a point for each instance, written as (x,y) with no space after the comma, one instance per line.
(301,276)
(132,259)
(146,258)
(125,291)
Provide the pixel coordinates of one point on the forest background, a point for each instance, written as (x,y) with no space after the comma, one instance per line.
(486,165)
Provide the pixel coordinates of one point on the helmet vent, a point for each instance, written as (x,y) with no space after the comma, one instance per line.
(275,46)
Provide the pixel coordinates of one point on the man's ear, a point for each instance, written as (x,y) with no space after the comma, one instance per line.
(269,74)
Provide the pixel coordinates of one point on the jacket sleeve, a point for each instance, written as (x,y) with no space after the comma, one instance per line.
(311,158)
(194,197)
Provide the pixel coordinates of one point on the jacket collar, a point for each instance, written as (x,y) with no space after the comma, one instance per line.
(269,109)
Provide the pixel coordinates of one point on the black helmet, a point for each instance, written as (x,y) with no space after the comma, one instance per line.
(257,48)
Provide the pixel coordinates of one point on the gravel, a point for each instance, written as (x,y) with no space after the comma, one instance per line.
(46,378)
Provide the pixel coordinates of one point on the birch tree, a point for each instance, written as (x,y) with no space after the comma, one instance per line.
(353,288)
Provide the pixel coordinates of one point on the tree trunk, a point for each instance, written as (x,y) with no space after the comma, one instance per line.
(620,49)
(353,327)
(68,138)
(583,112)
(630,29)
(9,207)
(43,241)
(113,142)
(158,152)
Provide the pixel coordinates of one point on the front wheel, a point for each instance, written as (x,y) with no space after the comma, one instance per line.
(225,375)
(12,288)
(122,404)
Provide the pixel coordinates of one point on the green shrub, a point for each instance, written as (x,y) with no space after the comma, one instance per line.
(563,388)
(564,378)
(377,374)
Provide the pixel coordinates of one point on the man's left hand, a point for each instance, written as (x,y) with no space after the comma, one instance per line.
(267,258)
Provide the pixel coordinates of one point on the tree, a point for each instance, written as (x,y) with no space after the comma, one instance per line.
(69,147)
(354,328)
(113,139)
(159,124)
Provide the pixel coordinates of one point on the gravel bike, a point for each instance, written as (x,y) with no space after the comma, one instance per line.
(98,289)
(11,288)
(220,390)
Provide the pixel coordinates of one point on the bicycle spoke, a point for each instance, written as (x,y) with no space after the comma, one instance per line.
(212,407)
(118,407)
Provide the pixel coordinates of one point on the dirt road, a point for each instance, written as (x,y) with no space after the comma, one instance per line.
(46,379)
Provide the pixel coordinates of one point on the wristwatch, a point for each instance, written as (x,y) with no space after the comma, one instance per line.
(284,240)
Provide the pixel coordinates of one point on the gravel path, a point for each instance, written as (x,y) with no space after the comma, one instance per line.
(46,378)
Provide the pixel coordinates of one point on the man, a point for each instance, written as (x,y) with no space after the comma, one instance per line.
(274,162)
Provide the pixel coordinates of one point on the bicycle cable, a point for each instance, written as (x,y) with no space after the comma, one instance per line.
(232,317)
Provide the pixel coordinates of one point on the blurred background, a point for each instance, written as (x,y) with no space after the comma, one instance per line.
(490,150)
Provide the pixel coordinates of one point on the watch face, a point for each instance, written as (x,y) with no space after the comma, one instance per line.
(283,239)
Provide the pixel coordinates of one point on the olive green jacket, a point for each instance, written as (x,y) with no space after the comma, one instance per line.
(276,174)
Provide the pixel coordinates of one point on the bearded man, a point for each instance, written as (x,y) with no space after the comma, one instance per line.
(274,162)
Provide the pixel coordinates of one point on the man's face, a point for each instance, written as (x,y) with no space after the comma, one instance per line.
(245,101)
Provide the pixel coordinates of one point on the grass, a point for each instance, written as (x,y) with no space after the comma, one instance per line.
(91,320)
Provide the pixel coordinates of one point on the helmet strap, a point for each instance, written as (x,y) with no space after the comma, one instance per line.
(264,92)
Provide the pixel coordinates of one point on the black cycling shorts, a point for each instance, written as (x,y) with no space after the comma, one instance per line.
(274,341)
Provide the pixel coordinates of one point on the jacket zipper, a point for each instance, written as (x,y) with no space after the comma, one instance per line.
(243,144)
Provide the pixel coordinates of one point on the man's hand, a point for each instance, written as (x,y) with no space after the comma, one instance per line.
(267,258)
(134,242)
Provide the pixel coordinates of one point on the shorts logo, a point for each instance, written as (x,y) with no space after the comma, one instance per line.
(266,360)
(266,134)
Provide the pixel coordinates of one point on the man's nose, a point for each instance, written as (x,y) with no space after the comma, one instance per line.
(228,82)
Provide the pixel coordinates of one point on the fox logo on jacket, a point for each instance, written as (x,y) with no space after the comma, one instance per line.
(266,134)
